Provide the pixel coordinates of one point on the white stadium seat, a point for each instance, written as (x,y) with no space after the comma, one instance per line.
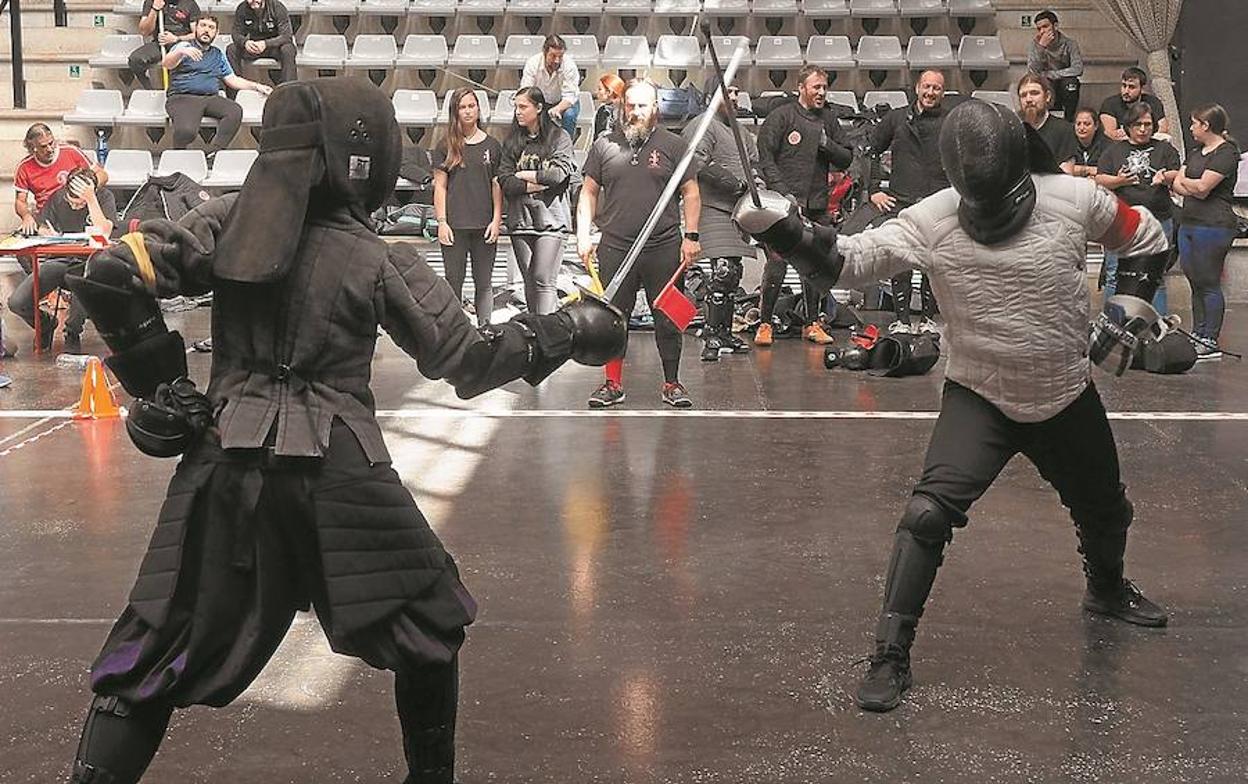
(373,51)
(418,108)
(146,108)
(626,51)
(880,52)
(423,51)
(519,48)
(894,98)
(96,107)
(115,51)
(323,51)
(778,51)
(982,53)
(128,168)
(930,51)
(831,52)
(474,51)
(230,167)
(192,163)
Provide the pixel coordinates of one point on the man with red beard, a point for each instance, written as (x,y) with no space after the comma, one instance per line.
(625,173)
(1035,97)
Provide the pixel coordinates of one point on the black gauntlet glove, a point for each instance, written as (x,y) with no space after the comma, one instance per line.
(172,419)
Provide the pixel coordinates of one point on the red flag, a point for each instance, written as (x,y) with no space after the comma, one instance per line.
(672,303)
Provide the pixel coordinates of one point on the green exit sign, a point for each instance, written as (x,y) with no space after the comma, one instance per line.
(75,72)
(98,20)
(1024,21)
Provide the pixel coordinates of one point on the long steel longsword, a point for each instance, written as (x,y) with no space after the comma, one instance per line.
(669,190)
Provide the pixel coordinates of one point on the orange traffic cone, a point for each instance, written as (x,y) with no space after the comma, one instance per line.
(97,401)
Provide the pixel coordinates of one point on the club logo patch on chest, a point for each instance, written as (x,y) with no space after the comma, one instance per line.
(654,159)
(795,138)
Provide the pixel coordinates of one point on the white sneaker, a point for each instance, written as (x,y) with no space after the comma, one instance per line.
(928,327)
(900,327)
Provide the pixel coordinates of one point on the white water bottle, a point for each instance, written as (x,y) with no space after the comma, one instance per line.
(75,361)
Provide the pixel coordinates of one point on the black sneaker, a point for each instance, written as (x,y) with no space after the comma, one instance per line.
(887,679)
(609,394)
(73,343)
(674,395)
(1206,348)
(711,348)
(1126,604)
(733,344)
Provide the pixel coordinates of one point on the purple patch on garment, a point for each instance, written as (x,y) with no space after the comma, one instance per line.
(163,679)
(119,661)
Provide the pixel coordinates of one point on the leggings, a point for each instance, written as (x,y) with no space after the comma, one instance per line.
(538,256)
(653,269)
(1202,254)
(471,242)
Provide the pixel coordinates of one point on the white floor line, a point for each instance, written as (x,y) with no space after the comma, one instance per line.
(468,413)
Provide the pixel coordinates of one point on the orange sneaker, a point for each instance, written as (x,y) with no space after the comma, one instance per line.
(763,336)
(815,334)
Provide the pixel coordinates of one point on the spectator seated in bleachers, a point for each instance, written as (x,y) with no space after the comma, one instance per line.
(43,171)
(1090,142)
(1114,109)
(197,70)
(554,73)
(1035,97)
(262,30)
(176,24)
(74,208)
(1055,56)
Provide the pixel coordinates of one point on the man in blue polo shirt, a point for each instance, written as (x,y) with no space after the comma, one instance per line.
(197,71)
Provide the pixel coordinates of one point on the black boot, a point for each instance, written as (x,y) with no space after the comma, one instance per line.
(427,700)
(911,573)
(712,344)
(889,676)
(1109,592)
(119,741)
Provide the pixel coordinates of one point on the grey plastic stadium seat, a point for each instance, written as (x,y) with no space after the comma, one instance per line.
(128,7)
(774,8)
(332,7)
(1003,97)
(578,7)
(373,51)
(230,167)
(128,168)
(872,9)
(971,8)
(881,52)
(585,100)
(676,7)
(482,7)
(626,51)
(483,101)
(831,52)
(504,108)
(417,108)
(531,7)
(778,51)
(626,7)
(677,51)
(583,49)
(474,51)
(930,51)
(519,48)
(894,98)
(725,45)
(253,106)
(96,107)
(825,9)
(115,51)
(192,163)
(379,7)
(146,108)
(432,7)
(982,52)
(423,51)
(323,51)
(913,8)
(844,98)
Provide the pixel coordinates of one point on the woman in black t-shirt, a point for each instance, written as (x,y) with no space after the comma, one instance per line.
(535,173)
(468,202)
(1207,223)
(1128,168)
(1090,142)
(609,93)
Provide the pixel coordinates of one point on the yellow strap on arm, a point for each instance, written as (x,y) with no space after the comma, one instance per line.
(147,272)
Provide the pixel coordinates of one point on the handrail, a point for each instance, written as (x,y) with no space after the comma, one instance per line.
(15,36)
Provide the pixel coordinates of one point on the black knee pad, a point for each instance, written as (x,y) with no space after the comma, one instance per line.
(725,275)
(119,740)
(927,521)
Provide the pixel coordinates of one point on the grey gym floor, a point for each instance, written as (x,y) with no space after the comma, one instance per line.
(681,596)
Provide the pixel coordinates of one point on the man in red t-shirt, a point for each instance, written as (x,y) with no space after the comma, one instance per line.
(42,173)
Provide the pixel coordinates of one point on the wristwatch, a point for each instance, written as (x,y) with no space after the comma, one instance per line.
(693,236)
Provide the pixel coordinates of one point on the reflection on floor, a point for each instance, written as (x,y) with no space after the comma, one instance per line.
(676,598)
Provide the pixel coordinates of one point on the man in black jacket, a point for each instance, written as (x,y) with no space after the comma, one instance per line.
(799,143)
(286,497)
(911,133)
(262,29)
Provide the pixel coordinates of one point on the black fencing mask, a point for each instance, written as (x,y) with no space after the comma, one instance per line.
(324,144)
(985,151)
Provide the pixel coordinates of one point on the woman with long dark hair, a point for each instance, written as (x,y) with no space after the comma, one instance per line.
(534,173)
(1207,223)
(468,202)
